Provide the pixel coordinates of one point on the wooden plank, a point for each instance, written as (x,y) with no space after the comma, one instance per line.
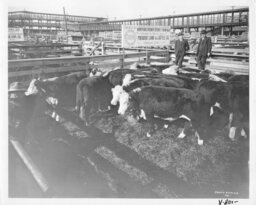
(75,59)
(36,52)
(229,50)
(221,68)
(229,69)
(228,61)
(65,69)
(222,62)
(43,46)
(44,61)
(45,70)
(231,65)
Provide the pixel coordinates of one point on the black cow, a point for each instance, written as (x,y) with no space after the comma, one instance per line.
(92,94)
(229,105)
(239,116)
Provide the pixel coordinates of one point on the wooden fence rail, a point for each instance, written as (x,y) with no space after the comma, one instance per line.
(75,59)
(24,67)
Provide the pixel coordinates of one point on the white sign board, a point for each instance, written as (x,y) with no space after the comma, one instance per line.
(114,35)
(145,36)
(15,34)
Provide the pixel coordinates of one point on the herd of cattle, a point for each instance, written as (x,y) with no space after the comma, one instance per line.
(155,95)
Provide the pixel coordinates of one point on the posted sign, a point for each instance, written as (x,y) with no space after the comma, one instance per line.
(15,34)
(145,36)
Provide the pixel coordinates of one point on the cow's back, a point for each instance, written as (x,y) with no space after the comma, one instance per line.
(164,101)
(167,93)
(66,87)
(96,88)
(116,76)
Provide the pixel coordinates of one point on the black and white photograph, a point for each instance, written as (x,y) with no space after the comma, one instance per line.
(128,99)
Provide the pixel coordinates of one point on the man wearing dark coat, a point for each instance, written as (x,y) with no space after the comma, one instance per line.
(204,50)
(181,46)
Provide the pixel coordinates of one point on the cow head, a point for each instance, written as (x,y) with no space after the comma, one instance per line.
(134,66)
(32,88)
(48,86)
(216,78)
(172,70)
(51,86)
(95,72)
(116,92)
(127,79)
(123,103)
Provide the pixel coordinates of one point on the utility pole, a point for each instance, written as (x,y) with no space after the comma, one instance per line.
(66,29)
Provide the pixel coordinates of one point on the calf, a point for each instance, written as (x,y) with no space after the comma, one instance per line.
(95,72)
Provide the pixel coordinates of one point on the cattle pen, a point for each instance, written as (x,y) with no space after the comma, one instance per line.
(117,163)
(136,108)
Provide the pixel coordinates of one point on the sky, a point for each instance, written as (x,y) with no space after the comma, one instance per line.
(121,9)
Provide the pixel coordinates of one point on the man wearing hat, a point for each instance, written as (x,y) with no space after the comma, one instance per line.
(181,46)
(204,50)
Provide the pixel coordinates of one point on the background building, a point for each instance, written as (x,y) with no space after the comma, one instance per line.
(45,23)
(223,22)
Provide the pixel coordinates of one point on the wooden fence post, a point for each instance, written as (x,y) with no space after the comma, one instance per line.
(103,49)
(121,63)
(122,58)
(168,58)
(147,57)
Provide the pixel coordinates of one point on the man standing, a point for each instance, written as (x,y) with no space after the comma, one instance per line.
(204,50)
(181,46)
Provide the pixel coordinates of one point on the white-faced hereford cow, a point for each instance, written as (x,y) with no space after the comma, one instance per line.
(58,91)
(129,85)
(162,102)
(94,93)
